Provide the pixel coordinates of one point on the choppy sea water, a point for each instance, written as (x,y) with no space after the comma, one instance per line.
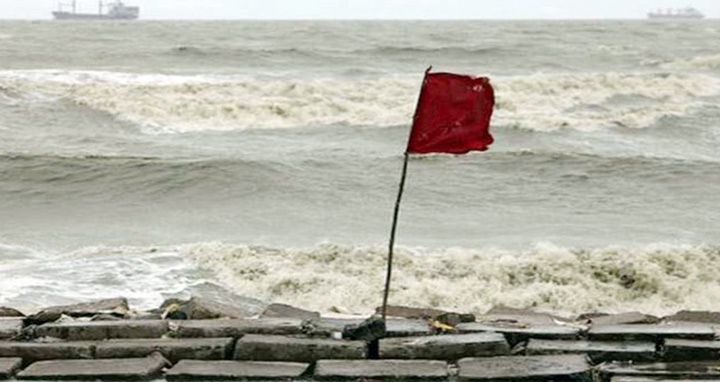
(139,159)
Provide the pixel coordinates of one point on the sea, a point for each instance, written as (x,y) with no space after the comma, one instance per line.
(143,159)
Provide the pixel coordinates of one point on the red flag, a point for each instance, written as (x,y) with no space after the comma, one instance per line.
(453,115)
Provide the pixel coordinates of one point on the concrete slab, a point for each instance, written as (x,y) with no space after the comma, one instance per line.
(689,350)
(693,331)
(172,349)
(101,330)
(558,367)
(33,351)
(10,327)
(447,347)
(653,379)
(8,367)
(674,370)
(381,370)
(238,328)
(235,370)
(694,316)
(395,327)
(520,333)
(104,369)
(288,311)
(597,351)
(291,349)
(631,318)
(114,306)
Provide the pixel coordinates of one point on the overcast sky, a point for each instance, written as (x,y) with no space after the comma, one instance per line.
(370,9)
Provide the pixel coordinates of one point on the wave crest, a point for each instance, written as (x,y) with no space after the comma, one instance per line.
(542,102)
(666,278)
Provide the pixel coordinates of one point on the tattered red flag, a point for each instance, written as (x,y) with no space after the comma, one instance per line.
(453,115)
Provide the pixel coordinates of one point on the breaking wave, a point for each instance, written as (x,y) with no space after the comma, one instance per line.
(695,63)
(541,102)
(659,279)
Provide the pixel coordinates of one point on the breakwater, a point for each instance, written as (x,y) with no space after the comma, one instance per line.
(206,339)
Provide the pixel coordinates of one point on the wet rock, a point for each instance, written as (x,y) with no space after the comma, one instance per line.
(238,328)
(453,319)
(369,330)
(103,369)
(10,328)
(597,351)
(10,312)
(8,367)
(292,349)
(116,307)
(395,327)
(632,318)
(235,370)
(34,351)
(447,347)
(689,350)
(381,370)
(655,333)
(562,367)
(520,333)
(408,312)
(700,370)
(172,349)
(287,311)
(210,301)
(101,330)
(694,316)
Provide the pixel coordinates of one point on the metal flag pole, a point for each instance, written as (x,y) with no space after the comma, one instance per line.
(401,188)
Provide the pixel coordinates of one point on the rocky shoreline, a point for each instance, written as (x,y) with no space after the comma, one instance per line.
(236,338)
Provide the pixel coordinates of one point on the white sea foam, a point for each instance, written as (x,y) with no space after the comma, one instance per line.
(542,102)
(547,277)
(699,62)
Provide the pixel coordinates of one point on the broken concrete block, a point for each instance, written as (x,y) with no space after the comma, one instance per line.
(104,369)
(10,328)
(694,316)
(516,334)
(101,330)
(36,351)
(381,370)
(697,370)
(633,318)
(114,306)
(292,349)
(172,349)
(238,328)
(8,367)
(235,370)
(287,311)
(446,347)
(565,367)
(689,350)
(210,301)
(398,327)
(10,312)
(597,351)
(653,333)
(369,330)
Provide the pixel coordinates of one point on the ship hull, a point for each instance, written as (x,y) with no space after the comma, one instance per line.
(89,17)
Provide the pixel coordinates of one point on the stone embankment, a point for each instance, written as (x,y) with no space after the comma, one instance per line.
(243,339)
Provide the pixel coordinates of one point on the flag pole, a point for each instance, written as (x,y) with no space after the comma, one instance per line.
(392,236)
(401,189)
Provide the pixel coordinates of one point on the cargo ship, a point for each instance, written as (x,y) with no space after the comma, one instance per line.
(675,14)
(115,10)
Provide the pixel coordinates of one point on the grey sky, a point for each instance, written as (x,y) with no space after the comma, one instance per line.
(371,9)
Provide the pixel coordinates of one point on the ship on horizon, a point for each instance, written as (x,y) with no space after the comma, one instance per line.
(674,14)
(115,10)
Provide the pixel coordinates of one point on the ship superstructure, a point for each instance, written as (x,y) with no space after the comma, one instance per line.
(680,13)
(116,10)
